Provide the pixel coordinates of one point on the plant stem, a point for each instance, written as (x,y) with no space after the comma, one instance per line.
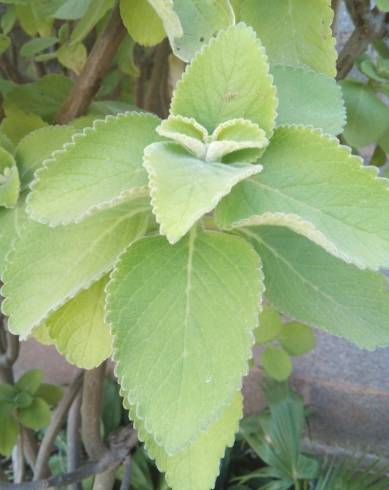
(74,439)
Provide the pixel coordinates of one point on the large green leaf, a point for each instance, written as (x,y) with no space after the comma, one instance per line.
(37,147)
(228,79)
(200,20)
(9,180)
(99,169)
(316,187)
(309,98)
(49,266)
(78,328)
(142,22)
(183,188)
(294,32)
(182,318)
(11,223)
(196,467)
(311,286)
(367,115)
(42,97)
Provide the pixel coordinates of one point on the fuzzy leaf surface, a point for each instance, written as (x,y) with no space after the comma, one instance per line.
(294,32)
(99,169)
(183,188)
(309,98)
(228,79)
(311,286)
(78,328)
(49,266)
(170,307)
(317,188)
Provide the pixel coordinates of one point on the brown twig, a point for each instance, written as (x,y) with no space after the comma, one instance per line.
(96,67)
(74,438)
(369,26)
(57,420)
(9,351)
(126,482)
(156,91)
(121,445)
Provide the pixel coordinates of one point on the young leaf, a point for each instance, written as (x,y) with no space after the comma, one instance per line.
(228,79)
(30,381)
(296,32)
(49,266)
(142,22)
(270,325)
(7,393)
(9,429)
(51,394)
(73,56)
(78,328)
(17,124)
(37,45)
(61,9)
(36,416)
(99,169)
(200,20)
(162,342)
(309,98)
(297,339)
(276,363)
(317,188)
(37,147)
(96,11)
(196,467)
(313,287)
(183,188)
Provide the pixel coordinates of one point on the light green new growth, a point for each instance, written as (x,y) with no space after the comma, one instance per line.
(36,283)
(78,329)
(311,286)
(183,188)
(99,169)
(176,314)
(294,32)
(314,186)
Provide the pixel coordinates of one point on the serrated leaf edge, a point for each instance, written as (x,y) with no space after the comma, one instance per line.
(126,392)
(128,194)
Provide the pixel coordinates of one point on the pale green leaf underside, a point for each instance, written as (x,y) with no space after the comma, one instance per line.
(196,467)
(317,188)
(49,266)
(78,328)
(37,147)
(11,223)
(294,32)
(183,188)
(308,98)
(200,20)
(182,318)
(9,186)
(167,12)
(228,79)
(309,285)
(99,169)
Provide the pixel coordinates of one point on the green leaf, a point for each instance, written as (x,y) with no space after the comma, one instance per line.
(30,381)
(294,32)
(51,394)
(142,22)
(211,286)
(61,9)
(8,20)
(99,169)
(36,416)
(32,23)
(383,5)
(49,266)
(9,429)
(78,328)
(5,43)
(297,339)
(11,222)
(7,393)
(73,56)
(200,20)
(166,10)
(270,325)
(96,11)
(197,466)
(317,188)
(276,363)
(367,115)
(313,287)
(228,79)
(43,97)
(36,46)
(17,124)
(9,180)
(37,147)
(309,98)
(183,188)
